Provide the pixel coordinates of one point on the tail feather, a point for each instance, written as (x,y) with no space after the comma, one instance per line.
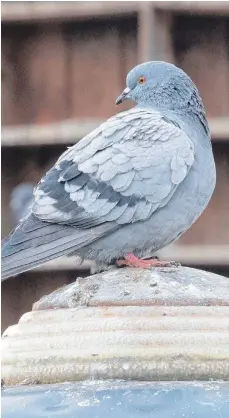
(22,251)
(9,271)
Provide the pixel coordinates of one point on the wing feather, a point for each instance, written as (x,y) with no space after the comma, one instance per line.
(123,171)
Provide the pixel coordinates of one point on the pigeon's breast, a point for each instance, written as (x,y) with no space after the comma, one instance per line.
(188,202)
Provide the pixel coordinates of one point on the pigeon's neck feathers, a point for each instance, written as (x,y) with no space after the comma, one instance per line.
(181,99)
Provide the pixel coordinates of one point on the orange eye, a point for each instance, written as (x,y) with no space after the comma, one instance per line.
(141,79)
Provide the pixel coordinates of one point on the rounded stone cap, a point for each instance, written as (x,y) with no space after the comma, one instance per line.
(158,324)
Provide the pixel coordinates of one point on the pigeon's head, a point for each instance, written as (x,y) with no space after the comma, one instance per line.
(160,85)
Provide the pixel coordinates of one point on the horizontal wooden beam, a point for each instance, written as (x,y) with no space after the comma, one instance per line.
(214,255)
(26,11)
(64,263)
(194,7)
(219,128)
(71,131)
(217,255)
(64,132)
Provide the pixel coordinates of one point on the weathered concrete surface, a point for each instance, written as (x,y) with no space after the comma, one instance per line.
(124,324)
(128,286)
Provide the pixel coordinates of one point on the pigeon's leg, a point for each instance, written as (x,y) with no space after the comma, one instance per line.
(132,261)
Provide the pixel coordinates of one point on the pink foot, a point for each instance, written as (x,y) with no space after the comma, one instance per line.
(132,261)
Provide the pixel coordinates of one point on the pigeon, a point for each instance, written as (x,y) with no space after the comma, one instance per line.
(127,189)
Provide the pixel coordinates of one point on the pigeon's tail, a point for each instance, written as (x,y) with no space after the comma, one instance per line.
(34,243)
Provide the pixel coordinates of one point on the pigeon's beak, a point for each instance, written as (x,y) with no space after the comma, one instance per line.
(123,96)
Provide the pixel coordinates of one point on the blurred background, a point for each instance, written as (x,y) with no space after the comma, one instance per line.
(63,65)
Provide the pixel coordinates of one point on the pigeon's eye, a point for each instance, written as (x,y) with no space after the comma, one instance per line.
(141,79)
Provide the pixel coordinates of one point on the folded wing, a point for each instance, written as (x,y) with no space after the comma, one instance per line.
(121,173)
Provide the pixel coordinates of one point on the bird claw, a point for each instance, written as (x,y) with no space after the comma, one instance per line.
(132,261)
